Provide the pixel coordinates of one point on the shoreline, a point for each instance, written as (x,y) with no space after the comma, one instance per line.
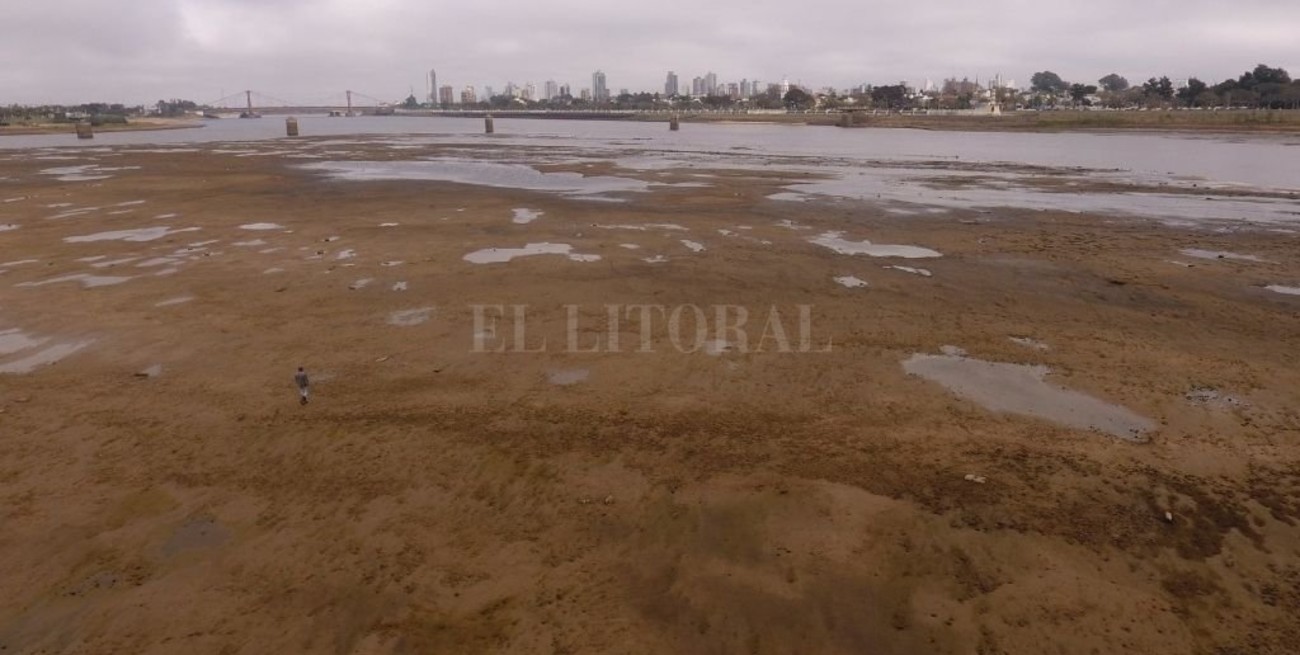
(71,128)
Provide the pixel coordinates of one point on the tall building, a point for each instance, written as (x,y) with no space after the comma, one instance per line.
(550,90)
(566,91)
(530,92)
(599,92)
(467,96)
(446,95)
(433,86)
(487,93)
(711,84)
(670,85)
(697,86)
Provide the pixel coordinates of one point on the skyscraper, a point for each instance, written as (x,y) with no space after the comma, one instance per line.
(599,93)
(433,86)
(446,95)
(670,85)
(467,96)
(550,90)
(711,84)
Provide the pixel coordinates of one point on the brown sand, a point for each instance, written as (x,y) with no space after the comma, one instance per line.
(435,500)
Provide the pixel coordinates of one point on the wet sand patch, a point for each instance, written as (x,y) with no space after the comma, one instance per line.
(46,357)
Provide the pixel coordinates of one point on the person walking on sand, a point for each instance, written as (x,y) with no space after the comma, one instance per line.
(301,379)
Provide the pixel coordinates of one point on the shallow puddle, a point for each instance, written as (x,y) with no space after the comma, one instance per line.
(137,235)
(836,242)
(87,280)
(502,255)
(1022,389)
(1219,254)
(490,174)
(409,317)
(923,272)
(13,340)
(524,216)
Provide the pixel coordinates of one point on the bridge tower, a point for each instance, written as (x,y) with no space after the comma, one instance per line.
(249,113)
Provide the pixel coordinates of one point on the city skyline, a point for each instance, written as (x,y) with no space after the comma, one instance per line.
(306,51)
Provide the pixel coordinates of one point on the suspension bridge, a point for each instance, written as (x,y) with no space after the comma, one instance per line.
(253,104)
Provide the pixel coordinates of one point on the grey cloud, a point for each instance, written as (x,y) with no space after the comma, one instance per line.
(303,50)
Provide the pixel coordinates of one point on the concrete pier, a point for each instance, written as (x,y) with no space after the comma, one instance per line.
(291,126)
(85,131)
(487,125)
(674,124)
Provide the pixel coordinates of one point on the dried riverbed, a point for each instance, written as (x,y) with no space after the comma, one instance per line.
(1108,463)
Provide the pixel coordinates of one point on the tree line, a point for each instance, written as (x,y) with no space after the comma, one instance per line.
(1264,87)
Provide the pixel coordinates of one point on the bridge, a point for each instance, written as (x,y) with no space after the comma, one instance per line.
(252,104)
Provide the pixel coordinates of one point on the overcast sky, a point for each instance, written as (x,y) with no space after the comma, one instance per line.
(309,51)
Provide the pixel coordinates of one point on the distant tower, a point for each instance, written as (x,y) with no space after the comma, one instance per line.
(785,86)
(433,87)
(670,85)
(599,93)
(551,90)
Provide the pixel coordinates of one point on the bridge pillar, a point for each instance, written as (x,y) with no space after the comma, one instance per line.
(673,124)
(846,119)
(487,124)
(291,126)
(85,131)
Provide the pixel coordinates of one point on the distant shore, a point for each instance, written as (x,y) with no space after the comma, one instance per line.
(1225,121)
(71,128)
(1236,121)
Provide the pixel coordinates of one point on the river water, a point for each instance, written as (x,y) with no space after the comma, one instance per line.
(892,165)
